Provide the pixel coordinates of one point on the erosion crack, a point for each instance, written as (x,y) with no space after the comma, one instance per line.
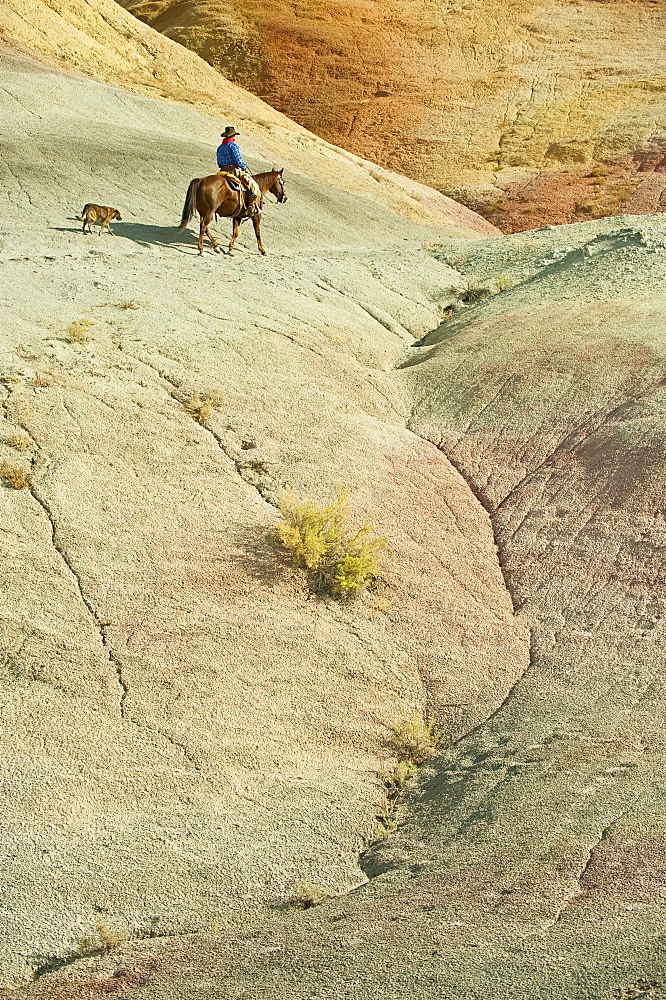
(66,559)
(99,624)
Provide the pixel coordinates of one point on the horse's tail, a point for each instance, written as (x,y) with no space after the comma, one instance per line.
(190,206)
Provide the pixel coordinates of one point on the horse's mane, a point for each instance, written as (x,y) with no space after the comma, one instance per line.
(266,173)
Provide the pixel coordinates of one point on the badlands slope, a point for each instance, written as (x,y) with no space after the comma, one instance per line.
(187,732)
(185,727)
(540,111)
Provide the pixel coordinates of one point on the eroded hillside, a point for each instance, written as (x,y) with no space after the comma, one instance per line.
(533,112)
(191,727)
(101,40)
(189,733)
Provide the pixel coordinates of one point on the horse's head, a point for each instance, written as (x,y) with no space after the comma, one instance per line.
(277,187)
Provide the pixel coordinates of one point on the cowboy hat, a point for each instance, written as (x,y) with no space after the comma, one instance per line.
(229,131)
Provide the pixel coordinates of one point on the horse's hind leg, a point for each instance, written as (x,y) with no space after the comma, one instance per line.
(204,231)
(235,232)
(256,222)
(205,223)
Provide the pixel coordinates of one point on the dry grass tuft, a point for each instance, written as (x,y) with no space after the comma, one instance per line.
(77,331)
(20,442)
(130,304)
(200,407)
(104,940)
(396,777)
(13,476)
(303,896)
(339,561)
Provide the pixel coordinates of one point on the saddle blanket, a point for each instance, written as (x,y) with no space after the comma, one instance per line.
(232,180)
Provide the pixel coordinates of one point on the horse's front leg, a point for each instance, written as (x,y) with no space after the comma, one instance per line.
(256,222)
(235,232)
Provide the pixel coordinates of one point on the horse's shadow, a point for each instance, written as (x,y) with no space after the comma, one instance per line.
(151,236)
(145,235)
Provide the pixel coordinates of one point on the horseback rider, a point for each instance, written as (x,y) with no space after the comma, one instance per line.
(229,159)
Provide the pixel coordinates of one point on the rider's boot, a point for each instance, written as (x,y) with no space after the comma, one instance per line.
(253,207)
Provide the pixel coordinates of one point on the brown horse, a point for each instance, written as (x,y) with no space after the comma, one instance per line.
(210,196)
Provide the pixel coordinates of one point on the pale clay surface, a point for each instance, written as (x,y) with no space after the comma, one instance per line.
(188,728)
(186,732)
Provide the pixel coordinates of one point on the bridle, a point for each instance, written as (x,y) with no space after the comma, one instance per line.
(281,196)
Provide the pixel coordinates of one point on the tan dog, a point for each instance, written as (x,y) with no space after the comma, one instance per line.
(98,213)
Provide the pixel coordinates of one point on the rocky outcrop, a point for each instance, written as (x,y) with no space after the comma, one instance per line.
(509,107)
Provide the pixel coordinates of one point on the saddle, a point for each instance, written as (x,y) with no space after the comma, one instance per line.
(233,181)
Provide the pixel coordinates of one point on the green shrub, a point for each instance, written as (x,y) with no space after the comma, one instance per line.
(77,331)
(339,561)
(416,739)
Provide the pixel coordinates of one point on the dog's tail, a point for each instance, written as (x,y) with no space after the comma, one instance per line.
(189,208)
(79,217)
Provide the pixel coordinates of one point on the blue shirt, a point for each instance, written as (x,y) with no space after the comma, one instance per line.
(228,155)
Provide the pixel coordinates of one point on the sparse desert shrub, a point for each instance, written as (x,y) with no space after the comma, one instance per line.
(129,304)
(475,293)
(491,207)
(20,442)
(77,331)
(200,407)
(303,896)
(385,822)
(502,282)
(395,778)
(416,739)
(104,940)
(42,380)
(339,561)
(13,476)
